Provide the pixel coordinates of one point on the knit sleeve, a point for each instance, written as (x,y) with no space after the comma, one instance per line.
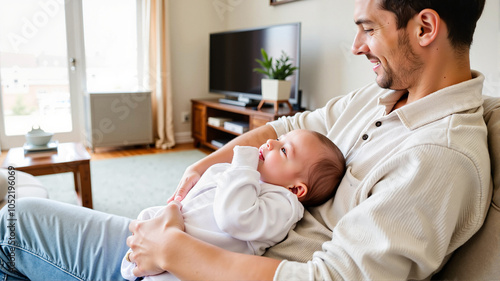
(411,215)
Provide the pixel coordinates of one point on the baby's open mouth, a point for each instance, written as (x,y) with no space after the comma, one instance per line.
(261,155)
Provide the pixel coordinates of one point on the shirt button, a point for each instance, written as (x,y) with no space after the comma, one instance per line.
(365,137)
(378,124)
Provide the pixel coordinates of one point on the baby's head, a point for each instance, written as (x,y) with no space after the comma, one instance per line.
(306,162)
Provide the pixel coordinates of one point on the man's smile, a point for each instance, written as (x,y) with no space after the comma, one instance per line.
(376,62)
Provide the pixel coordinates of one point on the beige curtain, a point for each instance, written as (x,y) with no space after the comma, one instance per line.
(156,29)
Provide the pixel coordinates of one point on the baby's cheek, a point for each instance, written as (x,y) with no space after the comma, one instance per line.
(261,168)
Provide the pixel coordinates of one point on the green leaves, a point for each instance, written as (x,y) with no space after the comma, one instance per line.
(280,69)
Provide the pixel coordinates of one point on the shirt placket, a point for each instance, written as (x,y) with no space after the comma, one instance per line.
(366,135)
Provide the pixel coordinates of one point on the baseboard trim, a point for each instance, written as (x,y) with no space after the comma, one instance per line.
(183,137)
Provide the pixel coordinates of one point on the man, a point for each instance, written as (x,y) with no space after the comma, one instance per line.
(418,176)
(416,186)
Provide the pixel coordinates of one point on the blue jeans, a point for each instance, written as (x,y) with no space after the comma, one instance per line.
(57,241)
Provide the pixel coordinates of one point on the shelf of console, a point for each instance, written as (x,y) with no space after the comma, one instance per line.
(204,133)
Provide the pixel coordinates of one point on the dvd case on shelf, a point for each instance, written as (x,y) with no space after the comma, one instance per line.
(236,126)
(218,121)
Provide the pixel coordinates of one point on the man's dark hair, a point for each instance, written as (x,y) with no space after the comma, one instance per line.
(460,16)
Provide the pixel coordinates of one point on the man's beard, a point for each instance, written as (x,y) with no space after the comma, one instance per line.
(406,72)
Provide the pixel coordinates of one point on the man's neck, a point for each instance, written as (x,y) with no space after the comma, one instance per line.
(444,70)
(440,81)
(401,102)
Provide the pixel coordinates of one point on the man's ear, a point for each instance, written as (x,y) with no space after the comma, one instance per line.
(299,189)
(429,23)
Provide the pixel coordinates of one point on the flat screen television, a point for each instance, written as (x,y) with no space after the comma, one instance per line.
(232,60)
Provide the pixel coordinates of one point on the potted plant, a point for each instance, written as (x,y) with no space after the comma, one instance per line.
(275,88)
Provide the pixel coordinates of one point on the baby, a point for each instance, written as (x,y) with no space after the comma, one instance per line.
(252,203)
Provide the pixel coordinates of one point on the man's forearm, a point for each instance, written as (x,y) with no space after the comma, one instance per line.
(191,259)
(255,137)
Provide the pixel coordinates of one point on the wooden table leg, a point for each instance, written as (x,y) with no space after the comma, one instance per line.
(83,185)
(76,177)
(261,103)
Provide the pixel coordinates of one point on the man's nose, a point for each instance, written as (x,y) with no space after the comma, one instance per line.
(359,47)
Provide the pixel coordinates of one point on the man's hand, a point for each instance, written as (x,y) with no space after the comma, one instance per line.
(150,239)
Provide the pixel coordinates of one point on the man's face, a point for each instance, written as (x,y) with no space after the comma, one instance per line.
(389,49)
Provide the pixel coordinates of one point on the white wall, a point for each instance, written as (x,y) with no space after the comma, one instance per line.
(191,22)
(328,68)
(485,51)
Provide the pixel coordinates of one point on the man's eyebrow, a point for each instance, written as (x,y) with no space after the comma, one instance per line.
(363,21)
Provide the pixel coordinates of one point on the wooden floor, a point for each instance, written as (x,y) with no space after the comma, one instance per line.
(107,153)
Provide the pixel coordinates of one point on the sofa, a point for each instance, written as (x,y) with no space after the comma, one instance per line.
(25,185)
(479,258)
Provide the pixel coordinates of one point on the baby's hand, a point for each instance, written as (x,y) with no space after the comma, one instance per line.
(189,179)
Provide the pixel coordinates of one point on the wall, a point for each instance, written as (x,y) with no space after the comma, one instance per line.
(191,22)
(485,51)
(328,68)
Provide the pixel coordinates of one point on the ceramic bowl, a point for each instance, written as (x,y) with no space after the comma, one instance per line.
(38,137)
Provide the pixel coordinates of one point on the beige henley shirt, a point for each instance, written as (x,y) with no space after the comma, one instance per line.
(417,185)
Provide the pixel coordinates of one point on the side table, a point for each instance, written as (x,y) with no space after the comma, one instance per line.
(70,157)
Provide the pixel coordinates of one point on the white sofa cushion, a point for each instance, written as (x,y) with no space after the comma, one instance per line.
(25,185)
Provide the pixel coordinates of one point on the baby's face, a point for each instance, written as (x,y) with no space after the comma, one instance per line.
(285,161)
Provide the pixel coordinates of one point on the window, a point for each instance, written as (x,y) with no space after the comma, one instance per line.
(35,87)
(111,45)
(42,45)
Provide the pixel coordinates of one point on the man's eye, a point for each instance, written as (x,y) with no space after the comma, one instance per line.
(368,30)
(283,150)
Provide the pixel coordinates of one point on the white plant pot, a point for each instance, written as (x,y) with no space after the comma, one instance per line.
(273,89)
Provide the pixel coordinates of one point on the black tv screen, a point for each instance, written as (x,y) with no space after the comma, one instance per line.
(233,54)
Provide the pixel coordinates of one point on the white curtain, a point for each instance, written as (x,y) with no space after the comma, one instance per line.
(156,32)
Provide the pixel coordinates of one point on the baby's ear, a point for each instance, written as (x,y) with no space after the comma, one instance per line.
(299,189)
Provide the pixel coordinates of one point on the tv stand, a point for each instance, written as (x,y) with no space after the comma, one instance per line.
(211,136)
(239,101)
